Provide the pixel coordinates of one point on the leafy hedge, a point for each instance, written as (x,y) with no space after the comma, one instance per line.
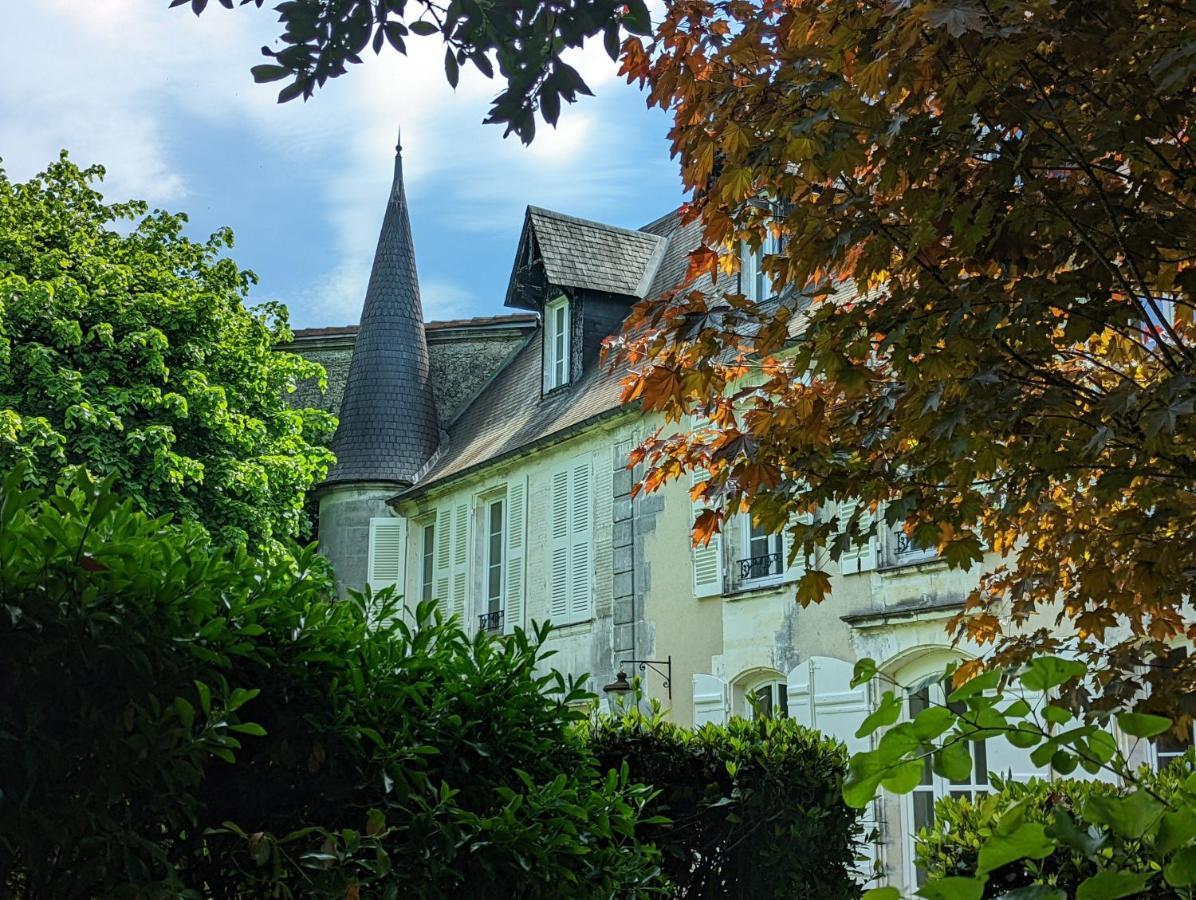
(1114,837)
(754,808)
(181,721)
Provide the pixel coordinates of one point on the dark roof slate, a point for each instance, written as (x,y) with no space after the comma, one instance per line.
(580,253)
(388,425)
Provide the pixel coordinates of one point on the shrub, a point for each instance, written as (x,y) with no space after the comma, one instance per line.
(177,720)
(1075,814)
(754,808)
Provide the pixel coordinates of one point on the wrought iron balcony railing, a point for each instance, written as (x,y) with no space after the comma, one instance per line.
(490,622)
(753,568)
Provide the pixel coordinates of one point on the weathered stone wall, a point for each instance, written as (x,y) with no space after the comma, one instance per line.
(463,358)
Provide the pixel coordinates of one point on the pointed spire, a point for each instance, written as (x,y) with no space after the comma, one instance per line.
(388,426)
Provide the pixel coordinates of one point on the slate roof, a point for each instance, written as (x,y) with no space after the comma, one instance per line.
(388,424)
(515,320)
(580,253)
(510,414)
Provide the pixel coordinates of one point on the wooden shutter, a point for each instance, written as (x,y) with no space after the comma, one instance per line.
(516,553)
(386,558)
(707,560)
(558,548)
(710,700)
(796,569)
(444,542)
(821,697)
(581,541)
(460,563)
(857,558)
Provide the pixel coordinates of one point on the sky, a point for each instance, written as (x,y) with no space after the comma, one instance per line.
(164,100)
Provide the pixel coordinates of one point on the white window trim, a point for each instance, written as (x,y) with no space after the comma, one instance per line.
(556,368)
(421,528)
(486,502)
(743,550)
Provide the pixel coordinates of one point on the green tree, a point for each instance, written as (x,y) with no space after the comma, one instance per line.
(179,720)
(527,39)
(126,348)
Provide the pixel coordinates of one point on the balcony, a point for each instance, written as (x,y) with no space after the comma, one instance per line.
(759,568)
(490,622)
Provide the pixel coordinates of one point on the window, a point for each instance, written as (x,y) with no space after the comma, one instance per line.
(491,616)
(754,283)
(768,701)
(427,561)
(903,549)
(763,554)
(1168,747)
(556,343)
(932,787)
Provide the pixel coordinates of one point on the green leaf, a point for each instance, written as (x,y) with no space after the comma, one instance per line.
(1176,829)
(886,713)
(1028,841)
(954,761)
(882,893)
(953,887)
(1046,672)
(1111,884)
(1142,725)
(863,671)
(986,681)
(250,728)
(1181,870)
(1132,816)
(904,777)
(1065,830)
(186,712)
(423,28)
(205,697)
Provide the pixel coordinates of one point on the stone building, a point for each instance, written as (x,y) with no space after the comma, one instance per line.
(483,464)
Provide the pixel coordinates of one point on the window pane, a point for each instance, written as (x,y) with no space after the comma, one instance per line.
(764,701)
(783,700)
(426,563)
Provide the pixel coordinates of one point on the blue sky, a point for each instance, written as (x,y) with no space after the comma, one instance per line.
(165,101)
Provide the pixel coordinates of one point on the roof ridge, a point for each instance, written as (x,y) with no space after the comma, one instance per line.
(577,220)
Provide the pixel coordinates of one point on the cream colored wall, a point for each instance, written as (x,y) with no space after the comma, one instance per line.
(688,628)
(583,648)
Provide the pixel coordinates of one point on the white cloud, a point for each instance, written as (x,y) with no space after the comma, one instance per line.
(124,81)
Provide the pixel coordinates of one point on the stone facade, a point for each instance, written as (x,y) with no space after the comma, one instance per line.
(464,355)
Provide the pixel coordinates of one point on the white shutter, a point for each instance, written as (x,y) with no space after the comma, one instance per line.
(839,709)
(558,546)
(386,552)
(821,697)
(796,569)
(444,543)
(516,549)
(460,567)
(801,699)
(708,559)
(581,541)
(710,700)
(857,558)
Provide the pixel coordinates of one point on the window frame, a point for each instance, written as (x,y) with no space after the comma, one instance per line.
(492,607)
(427,559)
(754,283)
(775,544)
(556,349)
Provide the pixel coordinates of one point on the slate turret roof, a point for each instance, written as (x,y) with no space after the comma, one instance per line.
(388,425)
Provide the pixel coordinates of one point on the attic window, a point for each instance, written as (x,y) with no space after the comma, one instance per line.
(754,283)
(556,343)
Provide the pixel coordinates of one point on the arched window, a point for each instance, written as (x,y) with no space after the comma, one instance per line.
(760,694)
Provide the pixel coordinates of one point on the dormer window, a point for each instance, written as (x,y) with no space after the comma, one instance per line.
(754,283)
(556,343)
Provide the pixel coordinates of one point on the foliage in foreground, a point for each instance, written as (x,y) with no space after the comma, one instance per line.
(179,720)
(754,808)
(1078,813)
(1009,187)
(1141,839)
(528,39)
(126,348)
